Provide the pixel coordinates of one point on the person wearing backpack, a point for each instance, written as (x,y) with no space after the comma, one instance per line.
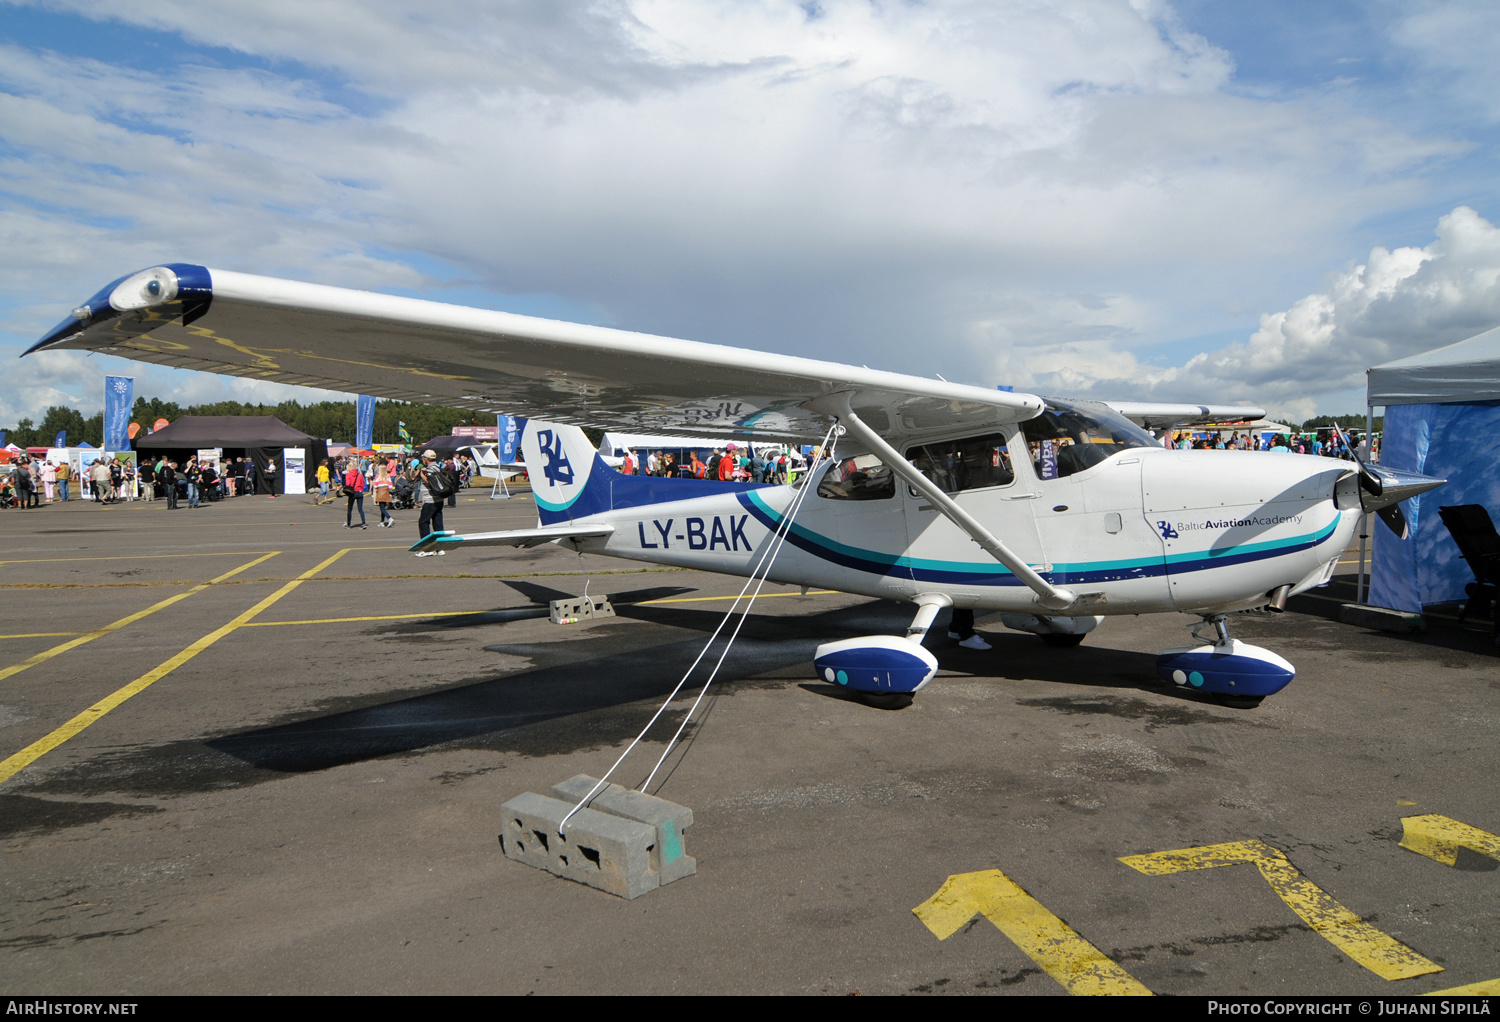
(433,487)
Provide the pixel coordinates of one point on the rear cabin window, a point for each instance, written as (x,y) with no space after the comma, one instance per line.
(1071,436)
(969,464)
(863,477)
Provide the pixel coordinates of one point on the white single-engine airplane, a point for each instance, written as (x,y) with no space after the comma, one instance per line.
(938,494)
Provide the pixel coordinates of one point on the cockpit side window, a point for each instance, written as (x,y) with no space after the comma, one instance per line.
(968,464)
(862,477)
(1071,436)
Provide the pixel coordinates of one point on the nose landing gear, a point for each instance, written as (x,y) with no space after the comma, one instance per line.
(1236,673)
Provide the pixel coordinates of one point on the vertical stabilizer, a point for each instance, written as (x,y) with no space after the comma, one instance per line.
(560,462)
(570,481)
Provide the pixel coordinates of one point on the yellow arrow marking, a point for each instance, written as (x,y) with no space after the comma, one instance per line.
(1440,838)
(1047,940)
(13,765)
(115,626)
(1383,955)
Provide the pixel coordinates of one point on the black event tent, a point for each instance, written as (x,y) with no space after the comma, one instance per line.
(446,445)
(259,437)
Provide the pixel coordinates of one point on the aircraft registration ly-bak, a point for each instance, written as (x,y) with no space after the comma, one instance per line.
(936,494)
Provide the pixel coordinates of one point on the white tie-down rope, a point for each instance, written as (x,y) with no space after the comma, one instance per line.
(758,577)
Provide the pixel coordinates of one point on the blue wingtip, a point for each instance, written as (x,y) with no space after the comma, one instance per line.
(194,286)
(431,539)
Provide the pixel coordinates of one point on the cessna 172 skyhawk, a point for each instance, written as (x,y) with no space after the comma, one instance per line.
(938,494)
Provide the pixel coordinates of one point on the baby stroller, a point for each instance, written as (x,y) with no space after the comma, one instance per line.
(403,495)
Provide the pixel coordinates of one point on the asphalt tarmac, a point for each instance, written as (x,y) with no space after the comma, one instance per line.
(290,781)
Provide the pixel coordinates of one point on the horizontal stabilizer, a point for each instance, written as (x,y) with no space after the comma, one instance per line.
(512,537)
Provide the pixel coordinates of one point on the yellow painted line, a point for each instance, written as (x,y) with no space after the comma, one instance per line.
(1485,987)
(376,617)
(1054,945)
(115,626)
(1382,954)
(709,599)
(133,557)
(39,635)
(1440,838)
(39,748)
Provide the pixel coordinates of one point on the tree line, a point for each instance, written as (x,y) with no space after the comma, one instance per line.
(328,420)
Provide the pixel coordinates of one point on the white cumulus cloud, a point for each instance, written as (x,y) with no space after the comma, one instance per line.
(1396,303)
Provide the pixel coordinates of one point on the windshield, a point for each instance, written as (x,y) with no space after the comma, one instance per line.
(1071,436)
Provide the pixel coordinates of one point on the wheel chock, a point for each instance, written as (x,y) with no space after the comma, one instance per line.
(575,610)
(599,849)
(669,820)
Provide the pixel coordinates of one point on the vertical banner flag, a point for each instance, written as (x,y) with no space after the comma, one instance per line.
(1049,459)
(364,421)
(508,435)
(118,391)
(2,438)
(61,440)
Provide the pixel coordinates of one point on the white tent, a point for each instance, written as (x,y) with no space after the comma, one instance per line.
(1442,418)
(1462,373)
(614,445)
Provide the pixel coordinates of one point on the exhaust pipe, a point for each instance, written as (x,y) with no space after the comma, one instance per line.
(1278,597)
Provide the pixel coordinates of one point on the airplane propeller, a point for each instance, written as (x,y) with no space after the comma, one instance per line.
(1383,489)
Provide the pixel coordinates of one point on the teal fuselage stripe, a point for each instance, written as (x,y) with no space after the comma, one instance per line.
(964,572)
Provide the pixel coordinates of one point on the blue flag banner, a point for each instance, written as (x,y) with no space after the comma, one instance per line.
(2,438)
(61,440)
(364,421)
(508,436)
(119,394)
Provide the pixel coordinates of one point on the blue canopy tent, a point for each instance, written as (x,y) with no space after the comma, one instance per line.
(1442,418)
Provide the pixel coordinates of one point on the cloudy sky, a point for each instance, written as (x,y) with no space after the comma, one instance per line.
(1145,200)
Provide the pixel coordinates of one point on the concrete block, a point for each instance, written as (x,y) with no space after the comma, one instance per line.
(1382,618)
(579,610)
(599,849)
(669,856)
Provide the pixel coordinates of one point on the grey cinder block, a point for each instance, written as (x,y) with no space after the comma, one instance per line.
(580,610)
(669,856)
(602,850)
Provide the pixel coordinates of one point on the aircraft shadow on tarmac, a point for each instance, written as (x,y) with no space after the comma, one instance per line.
(566,702)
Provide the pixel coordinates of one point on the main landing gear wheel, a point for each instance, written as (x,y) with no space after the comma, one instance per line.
(1062,641)
(1232,673)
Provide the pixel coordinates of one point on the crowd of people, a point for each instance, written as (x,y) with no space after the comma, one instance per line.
(729,463)
(401,481)
(1332,445)
(34,481)
(394,481)
(424,482)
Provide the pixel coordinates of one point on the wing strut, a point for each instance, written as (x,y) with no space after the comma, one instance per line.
(1048,595)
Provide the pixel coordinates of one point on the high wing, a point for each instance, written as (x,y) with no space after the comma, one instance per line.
(263,328)
(1153,415)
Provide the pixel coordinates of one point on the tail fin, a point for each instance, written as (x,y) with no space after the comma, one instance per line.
(560,461)
(570,481)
